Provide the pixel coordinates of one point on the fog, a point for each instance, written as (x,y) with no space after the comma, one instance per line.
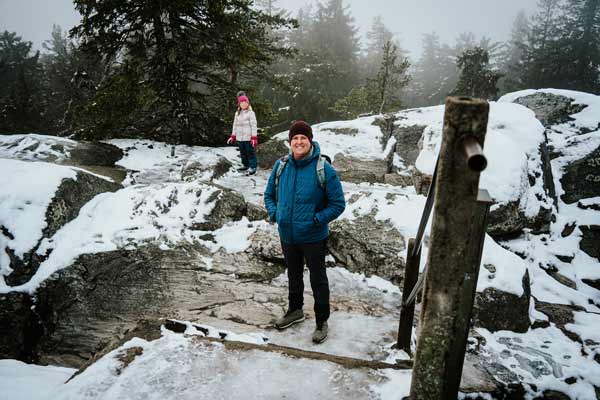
(33,19)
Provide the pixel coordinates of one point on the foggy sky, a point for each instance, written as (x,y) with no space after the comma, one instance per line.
(409,20)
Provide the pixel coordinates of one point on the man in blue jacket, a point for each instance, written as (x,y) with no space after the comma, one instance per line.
(303,200)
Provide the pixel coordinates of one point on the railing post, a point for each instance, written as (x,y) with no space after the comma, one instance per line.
(407,311)
(451,255)
(468,289)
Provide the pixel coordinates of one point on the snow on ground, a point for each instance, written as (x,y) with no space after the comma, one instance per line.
(542,250)
(20,381)
(512,144)
(176,366)
(545,358)
(159,213)
(361,139)
(23,206)
(151,161)
(34,147)
(568,137)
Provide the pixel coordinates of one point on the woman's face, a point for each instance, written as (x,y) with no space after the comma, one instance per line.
(244,105)
(300,145)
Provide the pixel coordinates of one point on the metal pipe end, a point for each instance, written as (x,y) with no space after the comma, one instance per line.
(476,160)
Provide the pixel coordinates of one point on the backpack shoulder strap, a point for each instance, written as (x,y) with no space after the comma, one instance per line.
(321,170)
(282,163)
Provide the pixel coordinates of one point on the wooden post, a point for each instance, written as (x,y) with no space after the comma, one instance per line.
(468,289)
(407,311)
(451,254)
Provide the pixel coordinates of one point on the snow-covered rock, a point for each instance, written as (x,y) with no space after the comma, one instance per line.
(162,247)
(514,176)
(573,135)
(31,212)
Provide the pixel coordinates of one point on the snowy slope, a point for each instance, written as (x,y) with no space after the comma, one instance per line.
(176,365)
(23,205)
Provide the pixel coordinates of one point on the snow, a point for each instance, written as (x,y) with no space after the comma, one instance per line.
(132,216)
(35,147)
(181,367)
(364,142)
(544,357)
(23,207)
(20,381)
(511,146)
(157,207)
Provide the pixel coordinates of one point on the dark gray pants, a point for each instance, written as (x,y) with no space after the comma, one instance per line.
(314,254)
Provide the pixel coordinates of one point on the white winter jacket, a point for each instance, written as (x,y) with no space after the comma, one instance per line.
(244,125)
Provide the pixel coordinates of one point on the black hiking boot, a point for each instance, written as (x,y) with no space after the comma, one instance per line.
(290,318)
(242,169)
(320,333)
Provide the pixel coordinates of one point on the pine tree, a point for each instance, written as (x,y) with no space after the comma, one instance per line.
(435,73)
(334,38)
(391,79)
(543,58)
(20,83)
(580,45)
(377,37)
(476,77)
(185,56)
(70,80)
(512,56)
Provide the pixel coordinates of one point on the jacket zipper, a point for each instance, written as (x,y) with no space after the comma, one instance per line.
(293,200)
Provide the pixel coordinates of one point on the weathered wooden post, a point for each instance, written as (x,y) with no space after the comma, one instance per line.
(453,255)
(407,310)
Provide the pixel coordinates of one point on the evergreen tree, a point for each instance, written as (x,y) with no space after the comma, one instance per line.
(580,45)
(183,56)
(377,37)
(70,80)
(334,38)
(354,104)
(512,56)
(543,58)
(391,79)
(435,73)
(476,77)
(20,73)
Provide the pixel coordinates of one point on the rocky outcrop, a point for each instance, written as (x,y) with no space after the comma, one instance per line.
(102,296)
(229,206)
(196,169)
(407,142)
(95,153)
(70,196)
(18,329)
(582,178)
(590,240)
(560,315)
(496,310)
(550,109)
(508,220)
(368,246)
(270,151)
(421,182)
(352,169)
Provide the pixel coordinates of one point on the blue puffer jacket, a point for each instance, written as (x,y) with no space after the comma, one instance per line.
(302,209)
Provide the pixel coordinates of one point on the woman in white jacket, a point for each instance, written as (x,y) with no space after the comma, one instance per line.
(244,131)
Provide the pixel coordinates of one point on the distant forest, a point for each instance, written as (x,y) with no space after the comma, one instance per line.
(170,70)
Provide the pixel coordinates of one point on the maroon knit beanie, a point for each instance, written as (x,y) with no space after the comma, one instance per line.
(300,128)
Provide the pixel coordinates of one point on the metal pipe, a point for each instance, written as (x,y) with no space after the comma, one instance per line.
(474,154)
